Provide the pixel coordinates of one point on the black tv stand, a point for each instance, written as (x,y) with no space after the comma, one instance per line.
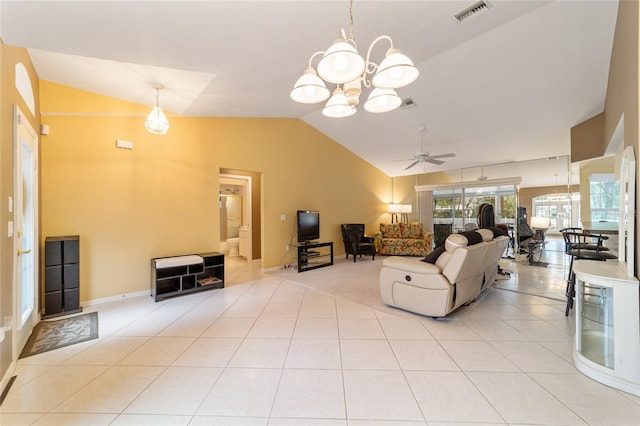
(312,259)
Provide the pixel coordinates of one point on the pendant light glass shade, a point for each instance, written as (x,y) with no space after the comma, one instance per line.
(338,106)
(382,100)
(157,122)
(396,70)
(310,89)
(341,63)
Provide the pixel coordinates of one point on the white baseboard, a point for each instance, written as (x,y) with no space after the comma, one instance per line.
(116,298)
(7,376)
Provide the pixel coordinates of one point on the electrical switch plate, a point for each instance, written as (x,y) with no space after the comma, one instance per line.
(283,217)
(10,228)
(10,204)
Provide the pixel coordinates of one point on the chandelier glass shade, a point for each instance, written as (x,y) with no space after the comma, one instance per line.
(157,122)
(338,105)
(382,100)
(310,89)
(342,65)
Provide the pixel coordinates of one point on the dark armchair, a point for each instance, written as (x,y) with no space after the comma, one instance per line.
(355,243)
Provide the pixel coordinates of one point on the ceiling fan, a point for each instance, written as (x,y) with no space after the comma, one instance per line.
(424,157)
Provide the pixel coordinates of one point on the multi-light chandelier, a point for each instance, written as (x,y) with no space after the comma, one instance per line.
(156,120)
(343,66)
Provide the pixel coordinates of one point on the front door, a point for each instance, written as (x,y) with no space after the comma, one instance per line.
(25,230)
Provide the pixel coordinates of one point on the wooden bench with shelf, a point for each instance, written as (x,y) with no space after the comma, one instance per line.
(178,275)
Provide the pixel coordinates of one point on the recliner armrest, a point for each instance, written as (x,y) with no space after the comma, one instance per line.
(411,265)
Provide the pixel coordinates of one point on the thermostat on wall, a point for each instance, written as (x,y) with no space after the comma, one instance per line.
(124,144)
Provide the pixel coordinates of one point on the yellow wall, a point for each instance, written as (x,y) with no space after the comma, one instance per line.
(160,199)
(9,96)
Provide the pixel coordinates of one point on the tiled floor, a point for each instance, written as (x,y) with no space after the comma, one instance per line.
(269,351)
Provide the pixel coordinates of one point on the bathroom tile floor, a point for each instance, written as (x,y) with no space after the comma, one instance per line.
(267,350)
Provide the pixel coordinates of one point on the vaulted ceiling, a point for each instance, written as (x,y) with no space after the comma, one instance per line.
(504,86)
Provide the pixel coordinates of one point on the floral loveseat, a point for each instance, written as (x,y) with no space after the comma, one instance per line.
(403,239)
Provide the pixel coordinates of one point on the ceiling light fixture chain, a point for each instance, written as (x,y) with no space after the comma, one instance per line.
(342,65)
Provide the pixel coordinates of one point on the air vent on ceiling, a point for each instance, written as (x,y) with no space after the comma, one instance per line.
(472,10)
(407,103)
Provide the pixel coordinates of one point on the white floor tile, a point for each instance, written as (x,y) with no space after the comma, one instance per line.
(443,329)
(187,326)
(209,352)
(450,396)
(229,327)
(112,391)
(42,394)
(246,392)
(150,420)
(261,353)
(310,394)
(422,355)
(532,357)
(74,419)
(495,330)
(405,329)
(281,310)
(108,351)
(160,351)
(275,421)
(540,331)
(519,399)
(316,328)
(477,356)
(360,329)
(177,391)
(367,355)
(379,395)
(228,421)
(594,404)
(314,353)
(272,328)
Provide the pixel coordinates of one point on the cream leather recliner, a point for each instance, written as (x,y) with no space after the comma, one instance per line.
(457,278)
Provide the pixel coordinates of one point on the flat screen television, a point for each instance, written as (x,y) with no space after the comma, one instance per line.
(308,225)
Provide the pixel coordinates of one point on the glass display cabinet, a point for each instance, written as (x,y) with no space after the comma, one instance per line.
(607,344)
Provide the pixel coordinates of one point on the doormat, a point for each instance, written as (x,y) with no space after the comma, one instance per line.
(50,335)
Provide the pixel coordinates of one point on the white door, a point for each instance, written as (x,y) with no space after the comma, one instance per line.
(25,230)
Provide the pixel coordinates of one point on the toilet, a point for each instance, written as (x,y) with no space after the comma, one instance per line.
(232,245)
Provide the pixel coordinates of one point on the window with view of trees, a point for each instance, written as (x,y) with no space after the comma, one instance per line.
(604,193)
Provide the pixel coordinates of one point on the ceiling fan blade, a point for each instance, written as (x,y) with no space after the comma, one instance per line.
(396,161)
(451,154)
(432,161)
(411,165)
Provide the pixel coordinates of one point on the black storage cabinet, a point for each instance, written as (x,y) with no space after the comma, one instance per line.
(61,275)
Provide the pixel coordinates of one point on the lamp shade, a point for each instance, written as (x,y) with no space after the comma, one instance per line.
(382,100)
(396,70)
(338,106)
(341,63)
(406,208)
(310,89)
(394,208)
(157,122)
(539,222)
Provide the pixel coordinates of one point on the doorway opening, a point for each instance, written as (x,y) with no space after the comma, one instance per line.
(239,203)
